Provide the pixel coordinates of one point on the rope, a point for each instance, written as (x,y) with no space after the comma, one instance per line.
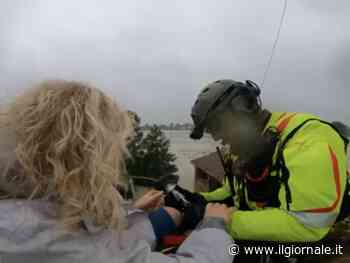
(268,66)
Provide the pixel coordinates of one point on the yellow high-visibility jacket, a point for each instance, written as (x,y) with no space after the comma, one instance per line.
(317,163)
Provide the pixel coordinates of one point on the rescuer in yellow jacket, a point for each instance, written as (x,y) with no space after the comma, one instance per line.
(286,172)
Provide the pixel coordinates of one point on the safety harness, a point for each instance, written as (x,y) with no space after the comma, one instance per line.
(264,189)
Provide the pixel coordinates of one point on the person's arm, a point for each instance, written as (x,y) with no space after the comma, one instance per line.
(272,225)
(147,221)
(218,194)
(139,227)
(208,243)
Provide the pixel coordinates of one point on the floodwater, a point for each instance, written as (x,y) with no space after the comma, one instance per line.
(186,150)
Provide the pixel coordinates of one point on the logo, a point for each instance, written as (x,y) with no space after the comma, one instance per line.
(233,250)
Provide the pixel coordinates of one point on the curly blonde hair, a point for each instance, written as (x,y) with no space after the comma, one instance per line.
(66,140)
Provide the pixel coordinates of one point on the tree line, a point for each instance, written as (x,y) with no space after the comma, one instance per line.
(150,155)
(171,127)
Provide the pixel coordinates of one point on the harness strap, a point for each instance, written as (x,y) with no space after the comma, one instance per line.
(281,166)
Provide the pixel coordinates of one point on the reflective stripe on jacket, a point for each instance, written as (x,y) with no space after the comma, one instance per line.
(317,164)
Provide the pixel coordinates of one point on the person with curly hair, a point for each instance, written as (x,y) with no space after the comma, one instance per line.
(62,151)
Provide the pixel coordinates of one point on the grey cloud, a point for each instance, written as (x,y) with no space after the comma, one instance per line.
(154,56)
(326,7)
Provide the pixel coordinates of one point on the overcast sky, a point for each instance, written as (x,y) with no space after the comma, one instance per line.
(155,56)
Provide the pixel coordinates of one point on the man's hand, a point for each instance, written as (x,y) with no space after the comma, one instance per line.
(150,201)
(219,210)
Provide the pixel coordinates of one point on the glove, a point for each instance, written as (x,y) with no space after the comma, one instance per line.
(193,213)
(171,200)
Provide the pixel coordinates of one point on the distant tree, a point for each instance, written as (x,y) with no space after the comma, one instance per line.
(149,155)
(158,160)
(146,127)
